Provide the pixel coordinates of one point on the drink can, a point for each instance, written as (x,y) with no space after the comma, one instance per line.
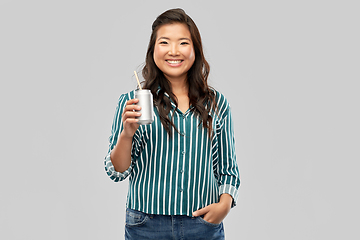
(147,107)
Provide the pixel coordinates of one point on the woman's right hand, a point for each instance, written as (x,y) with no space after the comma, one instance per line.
(130,123)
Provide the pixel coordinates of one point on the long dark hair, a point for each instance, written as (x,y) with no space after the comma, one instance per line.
(201,96)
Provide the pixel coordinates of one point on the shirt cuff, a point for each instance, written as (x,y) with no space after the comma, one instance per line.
(112,173)
(231,190)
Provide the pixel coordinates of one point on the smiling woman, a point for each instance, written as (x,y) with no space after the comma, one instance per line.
(182,183)
(191,91)
(174,51)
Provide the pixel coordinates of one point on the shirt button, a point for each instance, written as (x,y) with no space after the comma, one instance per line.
(181,171)
(181,189)
(183,152)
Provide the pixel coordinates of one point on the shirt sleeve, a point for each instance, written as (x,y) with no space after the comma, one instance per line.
(117,127)
(229,179)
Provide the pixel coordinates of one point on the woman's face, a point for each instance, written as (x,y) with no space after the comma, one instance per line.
(174,51)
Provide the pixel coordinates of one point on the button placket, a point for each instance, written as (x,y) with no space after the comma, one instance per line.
(183,152)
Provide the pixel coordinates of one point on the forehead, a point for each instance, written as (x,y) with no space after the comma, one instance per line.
(173,31)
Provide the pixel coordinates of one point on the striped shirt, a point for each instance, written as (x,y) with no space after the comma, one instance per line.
(181,173)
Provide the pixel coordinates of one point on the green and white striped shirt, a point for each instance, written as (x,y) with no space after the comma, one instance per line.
(179,174)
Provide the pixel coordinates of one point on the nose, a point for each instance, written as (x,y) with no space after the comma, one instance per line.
(173,51)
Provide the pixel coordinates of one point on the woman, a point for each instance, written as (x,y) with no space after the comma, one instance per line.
(183,175)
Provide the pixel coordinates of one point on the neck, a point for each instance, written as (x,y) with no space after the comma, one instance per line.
(179,86)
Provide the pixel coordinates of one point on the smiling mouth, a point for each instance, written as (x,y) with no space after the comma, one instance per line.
(174,61)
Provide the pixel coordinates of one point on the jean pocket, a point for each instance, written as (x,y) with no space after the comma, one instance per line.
(135,218)
(208,223)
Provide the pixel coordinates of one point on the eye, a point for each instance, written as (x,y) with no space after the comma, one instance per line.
(163,42)
(184,43)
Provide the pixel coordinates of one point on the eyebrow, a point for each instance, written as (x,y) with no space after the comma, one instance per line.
(169,38)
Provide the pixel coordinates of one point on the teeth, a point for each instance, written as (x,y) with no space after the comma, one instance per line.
(174,62)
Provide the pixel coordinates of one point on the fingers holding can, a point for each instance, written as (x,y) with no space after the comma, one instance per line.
(131,111)
(131,105)
(129,118)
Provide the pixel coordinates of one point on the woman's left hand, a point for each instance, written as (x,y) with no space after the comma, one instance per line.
(216,212)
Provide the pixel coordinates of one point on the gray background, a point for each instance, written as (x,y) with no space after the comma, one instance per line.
(290,70)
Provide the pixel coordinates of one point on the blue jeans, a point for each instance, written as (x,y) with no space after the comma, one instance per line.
(142,226)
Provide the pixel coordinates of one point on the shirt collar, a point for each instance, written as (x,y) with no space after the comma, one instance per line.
(171,101)
(165,93)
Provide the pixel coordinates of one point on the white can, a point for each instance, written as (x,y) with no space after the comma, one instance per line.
(147,106)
